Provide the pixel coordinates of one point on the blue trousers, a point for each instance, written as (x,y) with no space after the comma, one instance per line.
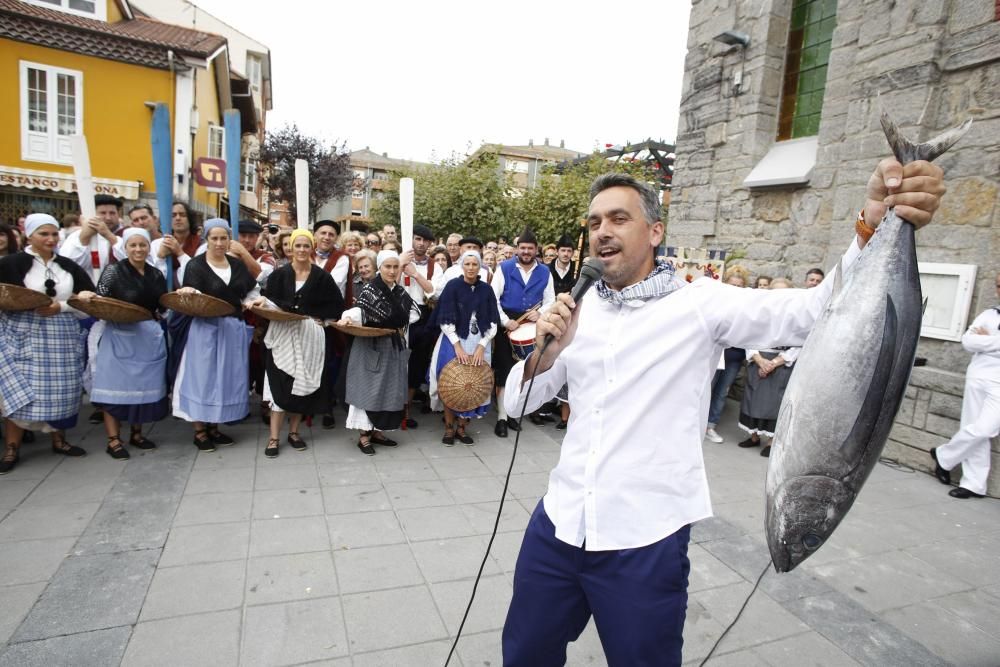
(638,598)
(721,382)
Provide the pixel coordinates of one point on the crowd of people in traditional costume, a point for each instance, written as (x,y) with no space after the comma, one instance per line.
(448,298)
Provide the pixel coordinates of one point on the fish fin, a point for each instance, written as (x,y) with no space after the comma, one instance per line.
(906,150)
(923,307)
(838,281)
(856,443)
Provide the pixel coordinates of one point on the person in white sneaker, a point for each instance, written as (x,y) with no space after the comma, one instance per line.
(729,364)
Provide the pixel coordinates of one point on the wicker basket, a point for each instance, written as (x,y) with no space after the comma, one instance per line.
(112,310)
(196,305)
(15,297)
(277,315)
(362,332)
(463,387)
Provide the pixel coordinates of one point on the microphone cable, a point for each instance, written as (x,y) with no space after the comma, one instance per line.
(503,498)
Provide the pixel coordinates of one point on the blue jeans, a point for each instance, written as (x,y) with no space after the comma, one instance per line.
(721,383)
(638,598)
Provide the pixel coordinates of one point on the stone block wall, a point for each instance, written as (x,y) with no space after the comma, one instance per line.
(930,63)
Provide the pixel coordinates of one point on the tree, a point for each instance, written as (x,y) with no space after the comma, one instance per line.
(559,202)
(453,196)
(330,174)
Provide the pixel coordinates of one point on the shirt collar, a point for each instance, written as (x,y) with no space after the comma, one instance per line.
(660,282)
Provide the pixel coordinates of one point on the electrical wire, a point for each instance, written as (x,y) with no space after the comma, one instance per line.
(738,614)
(503,496)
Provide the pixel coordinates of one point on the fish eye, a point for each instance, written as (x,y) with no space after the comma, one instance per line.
(811,541)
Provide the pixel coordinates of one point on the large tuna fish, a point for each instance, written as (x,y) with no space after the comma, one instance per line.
(848,382)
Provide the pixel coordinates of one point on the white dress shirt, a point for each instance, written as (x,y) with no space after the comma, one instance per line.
(414,289)
(985,364)
(631,470)
(73,249)
(548,296)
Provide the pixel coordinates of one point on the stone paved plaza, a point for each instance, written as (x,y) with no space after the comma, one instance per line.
(331,557)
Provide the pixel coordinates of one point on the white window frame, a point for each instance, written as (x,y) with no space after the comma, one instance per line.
(248,175)
(52,155)
(255,70)
(100,8)
(952,308)
(516,166)
(219,132)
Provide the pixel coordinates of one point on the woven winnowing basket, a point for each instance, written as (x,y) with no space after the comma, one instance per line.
(112,310)
(15,297)
(464,387)
(196,305)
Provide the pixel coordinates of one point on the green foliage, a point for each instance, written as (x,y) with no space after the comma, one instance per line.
(330,173)
(478,198)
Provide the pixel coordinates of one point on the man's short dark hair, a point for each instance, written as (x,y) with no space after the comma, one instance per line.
(139,207)
(818,271)
(107,200)
(647,195)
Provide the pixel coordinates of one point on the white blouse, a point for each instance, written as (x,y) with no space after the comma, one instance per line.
(41,271)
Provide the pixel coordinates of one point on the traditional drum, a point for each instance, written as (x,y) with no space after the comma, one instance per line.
(522,340)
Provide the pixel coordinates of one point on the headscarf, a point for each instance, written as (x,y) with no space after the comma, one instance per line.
(469,253)
(212,223)
(384,255)
(301,232)
(135,231)
(460,300)
(36,220)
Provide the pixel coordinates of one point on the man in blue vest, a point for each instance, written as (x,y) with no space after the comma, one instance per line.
(524,287)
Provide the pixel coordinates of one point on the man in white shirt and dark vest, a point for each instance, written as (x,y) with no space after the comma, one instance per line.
(418,274)
(610,536)
(970,447)
(337,263)
(523,286)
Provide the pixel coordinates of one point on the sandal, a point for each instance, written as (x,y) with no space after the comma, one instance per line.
(218,437)
(11,456)
(202,441)
(297,443)
(449,435)
(380,439)
(364,444)
(60,446)
(136,440)
(271,451)
(462,437)
(116,449)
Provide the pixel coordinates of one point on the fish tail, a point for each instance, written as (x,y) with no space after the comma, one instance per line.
(907,151)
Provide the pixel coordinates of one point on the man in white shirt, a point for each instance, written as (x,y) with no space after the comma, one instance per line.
(609,538)
(418,280)
(524,288)
(970,447)
(102,230)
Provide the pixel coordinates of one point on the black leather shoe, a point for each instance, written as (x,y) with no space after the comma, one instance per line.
(749,442)
(546,416)
(513,425)
(963,493)
(219,438)
(501,429)
(536,420)
(561,426)
(297,442)
(382,440)
(943,475)
(328,422)
(765,451)
(366,448)
(10,458)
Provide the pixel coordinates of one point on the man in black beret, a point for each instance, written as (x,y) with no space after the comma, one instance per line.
(418,280)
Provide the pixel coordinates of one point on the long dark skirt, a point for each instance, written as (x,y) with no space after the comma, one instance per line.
(762,398)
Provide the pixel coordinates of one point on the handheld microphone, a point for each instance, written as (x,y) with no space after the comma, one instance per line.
(590,273)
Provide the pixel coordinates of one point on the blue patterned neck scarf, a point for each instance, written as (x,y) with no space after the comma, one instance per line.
(660,282)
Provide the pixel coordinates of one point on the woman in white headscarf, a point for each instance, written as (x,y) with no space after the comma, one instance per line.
(130,370)
(41,350)
(376,387)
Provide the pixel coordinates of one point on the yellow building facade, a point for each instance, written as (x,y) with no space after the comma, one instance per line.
(97,68)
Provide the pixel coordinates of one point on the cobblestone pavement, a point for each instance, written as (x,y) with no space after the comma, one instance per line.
(332,557)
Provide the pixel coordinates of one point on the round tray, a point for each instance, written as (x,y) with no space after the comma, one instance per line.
(112,310)
(464,387)
(15,297)
(362,332)
(277,315)
(196,305)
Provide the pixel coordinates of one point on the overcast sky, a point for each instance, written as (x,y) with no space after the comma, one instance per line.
(420,80)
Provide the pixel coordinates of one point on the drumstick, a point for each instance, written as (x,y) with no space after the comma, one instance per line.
(85,191)
(528,312)
(302,194)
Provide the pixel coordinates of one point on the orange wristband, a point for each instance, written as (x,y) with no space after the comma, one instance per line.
(862,228)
